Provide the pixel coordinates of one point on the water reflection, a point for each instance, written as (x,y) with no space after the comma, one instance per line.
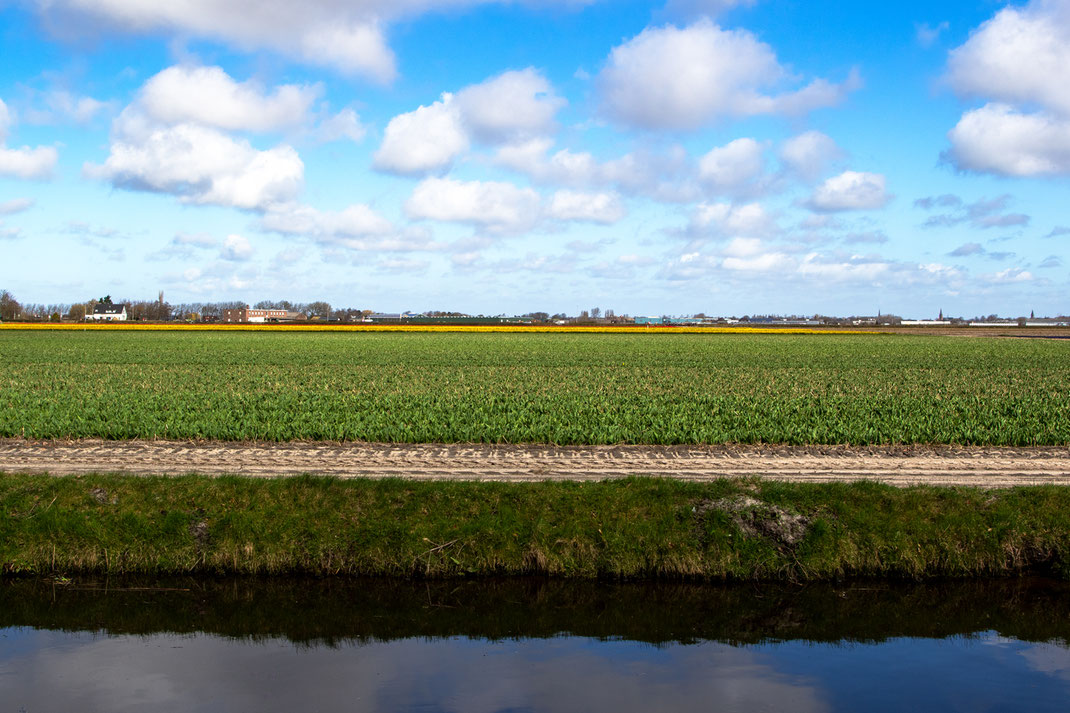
(532,646)
(329,611)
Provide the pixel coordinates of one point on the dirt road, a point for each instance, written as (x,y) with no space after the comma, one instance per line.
(897,465)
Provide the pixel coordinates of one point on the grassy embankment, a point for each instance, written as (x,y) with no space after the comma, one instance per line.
(617,529)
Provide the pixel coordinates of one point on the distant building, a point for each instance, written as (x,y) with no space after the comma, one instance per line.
(670,320)
(249,315)
(1048,322)
(390,316)
(105,312)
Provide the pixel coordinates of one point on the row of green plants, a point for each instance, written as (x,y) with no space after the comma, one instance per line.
(564,389)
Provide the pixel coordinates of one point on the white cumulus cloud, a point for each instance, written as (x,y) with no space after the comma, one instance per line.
(727,220)
(346,35)
(59,105)
(509,106)
(427,139)
(998,139)
(1016,62)
(354,221)
(196,240)
(851,190)
(1010,275)
(237,248)
(605,208)
(198,164)
(356,227)
(731,167)
(809,153)
(515,107)
(210,97)
(345,124)
(354,48)
(495,205)
(684,78)
(853,268)
(667,175)
(764,262)
(1019,56)
(180,136)
(15,205)
(563,167)
(743,247)
(6,120)
(23,162)
(29,163)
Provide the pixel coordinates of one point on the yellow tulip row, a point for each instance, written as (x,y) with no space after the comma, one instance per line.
(515,328)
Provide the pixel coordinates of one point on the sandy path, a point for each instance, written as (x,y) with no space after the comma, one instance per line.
(898,465)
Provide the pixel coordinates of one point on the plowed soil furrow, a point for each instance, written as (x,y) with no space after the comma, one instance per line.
(896,465)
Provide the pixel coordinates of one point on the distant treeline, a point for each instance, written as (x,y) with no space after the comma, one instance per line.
(159,310)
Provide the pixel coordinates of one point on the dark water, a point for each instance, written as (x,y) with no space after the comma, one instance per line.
(532,645)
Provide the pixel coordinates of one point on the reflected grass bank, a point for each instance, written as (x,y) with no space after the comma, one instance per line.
(327,612)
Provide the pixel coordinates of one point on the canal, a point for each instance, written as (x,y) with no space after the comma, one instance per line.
(532,645)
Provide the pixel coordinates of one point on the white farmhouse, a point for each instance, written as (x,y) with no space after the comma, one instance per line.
(108,313)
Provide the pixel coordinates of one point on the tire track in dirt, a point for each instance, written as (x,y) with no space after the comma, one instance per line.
(897,465)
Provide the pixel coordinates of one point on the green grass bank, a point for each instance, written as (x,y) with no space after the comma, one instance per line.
(623,529)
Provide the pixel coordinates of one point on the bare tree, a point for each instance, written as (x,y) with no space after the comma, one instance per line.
(33,311)
(319,310)
(9,307)
(347,315)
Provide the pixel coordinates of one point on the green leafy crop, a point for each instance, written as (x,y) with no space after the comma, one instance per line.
(543,388)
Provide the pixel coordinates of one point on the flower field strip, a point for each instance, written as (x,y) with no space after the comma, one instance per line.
(534,388)
(459,328)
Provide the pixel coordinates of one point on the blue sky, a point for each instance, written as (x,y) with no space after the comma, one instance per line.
(668,157)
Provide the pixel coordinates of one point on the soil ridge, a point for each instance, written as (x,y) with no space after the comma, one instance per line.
(904,465)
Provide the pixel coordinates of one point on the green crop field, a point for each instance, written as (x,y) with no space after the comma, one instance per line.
(543,388)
